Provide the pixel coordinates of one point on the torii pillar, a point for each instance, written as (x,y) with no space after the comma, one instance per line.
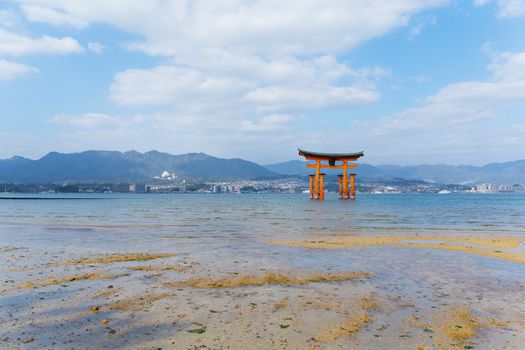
(321,186)
(312,193)
(340,186)
(352,186)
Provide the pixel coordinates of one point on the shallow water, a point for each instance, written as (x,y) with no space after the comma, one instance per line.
(231,233)
(153,217)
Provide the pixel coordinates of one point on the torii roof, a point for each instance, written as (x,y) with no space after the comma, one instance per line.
(330,156)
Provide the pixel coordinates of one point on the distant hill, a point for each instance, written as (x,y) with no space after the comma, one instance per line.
(111,166)
(291,167)
(508,172)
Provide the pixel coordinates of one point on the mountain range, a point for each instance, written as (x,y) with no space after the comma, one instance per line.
(113,166)
(502,173)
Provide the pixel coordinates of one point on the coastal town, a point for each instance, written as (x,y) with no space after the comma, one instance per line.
(171,183)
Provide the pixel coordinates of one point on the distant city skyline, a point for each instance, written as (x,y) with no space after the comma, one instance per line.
(409,82)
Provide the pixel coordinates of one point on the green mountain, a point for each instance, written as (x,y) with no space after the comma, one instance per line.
(111,166)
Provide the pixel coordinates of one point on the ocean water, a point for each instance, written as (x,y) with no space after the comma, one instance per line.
(222,230)
(124,222)
(228,234)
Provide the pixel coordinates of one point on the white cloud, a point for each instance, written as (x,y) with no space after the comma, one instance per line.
(12,44)
(221,136)
(419,25)
(511,8)
(86,121)
(464,103)
(481,2)
(95,47)
(244,58)
(248,83)
(36,13)
(180,27)
(8,19)
(506,8)
(270,122)
(309,97)
(11,70)
(508,66)
(471,120)
(172,85)
(238,51)
(452,125)
(235,75)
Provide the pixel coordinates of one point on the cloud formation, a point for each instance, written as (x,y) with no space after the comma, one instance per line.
(11,70)
(180,27)
(457,121)
(464,103)
(234,77)
(12,44)
(506,8)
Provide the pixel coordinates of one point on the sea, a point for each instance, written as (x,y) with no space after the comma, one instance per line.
(227,235)
(130,222)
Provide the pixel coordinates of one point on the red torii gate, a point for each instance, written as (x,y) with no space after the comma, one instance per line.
(317,180)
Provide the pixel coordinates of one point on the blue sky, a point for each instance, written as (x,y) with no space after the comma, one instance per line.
(406,81)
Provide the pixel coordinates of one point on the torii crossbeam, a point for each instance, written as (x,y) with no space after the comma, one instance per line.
(317,180)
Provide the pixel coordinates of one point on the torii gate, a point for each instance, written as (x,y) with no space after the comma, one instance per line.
(317,180)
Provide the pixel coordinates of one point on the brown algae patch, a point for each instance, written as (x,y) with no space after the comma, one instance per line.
(177,268)
(113,258)
(348,327)
(273,278)
(106,293)
(18,269)
(353,321)
(281,304)
(460,325)
(456,327)
(9,249)
(369,303)
(137,303)
(53,281)
(493,247)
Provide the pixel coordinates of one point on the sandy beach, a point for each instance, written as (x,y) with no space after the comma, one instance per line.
(178,301)
(262,272)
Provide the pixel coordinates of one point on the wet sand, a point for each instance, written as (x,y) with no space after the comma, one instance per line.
(175,302)
(241,272)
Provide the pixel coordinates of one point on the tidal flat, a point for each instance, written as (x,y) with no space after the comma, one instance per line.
(263,272)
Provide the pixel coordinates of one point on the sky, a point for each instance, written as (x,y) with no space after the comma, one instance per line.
(406,81)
